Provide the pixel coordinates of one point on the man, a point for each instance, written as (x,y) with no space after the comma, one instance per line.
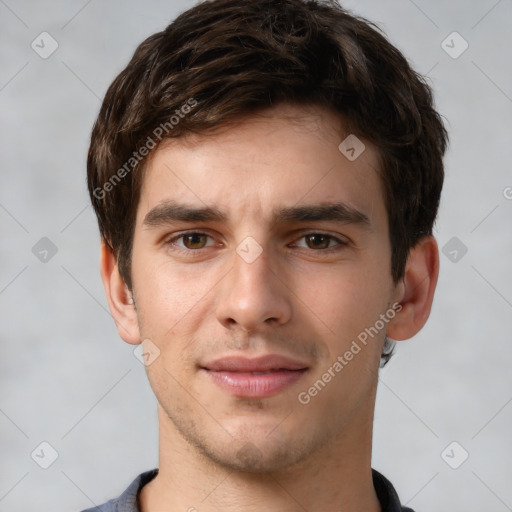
(266,176)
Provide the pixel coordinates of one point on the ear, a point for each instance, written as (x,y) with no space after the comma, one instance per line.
(415,292)
(119,297)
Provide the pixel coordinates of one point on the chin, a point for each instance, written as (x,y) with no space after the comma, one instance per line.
(251,459)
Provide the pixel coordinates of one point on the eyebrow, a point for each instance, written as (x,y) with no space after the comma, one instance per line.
(339,212)
(170,211)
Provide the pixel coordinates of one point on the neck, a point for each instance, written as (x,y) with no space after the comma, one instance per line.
(335,477)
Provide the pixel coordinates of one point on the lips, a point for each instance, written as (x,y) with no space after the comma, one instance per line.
(258,364)
(258,377)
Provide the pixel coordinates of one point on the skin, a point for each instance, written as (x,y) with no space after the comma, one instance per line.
(197,299)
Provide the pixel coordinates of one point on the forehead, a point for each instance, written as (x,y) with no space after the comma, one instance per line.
(281,157)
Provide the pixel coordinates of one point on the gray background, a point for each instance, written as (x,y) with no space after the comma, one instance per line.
(68,379)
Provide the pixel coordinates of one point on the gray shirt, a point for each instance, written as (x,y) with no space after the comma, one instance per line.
(128,501)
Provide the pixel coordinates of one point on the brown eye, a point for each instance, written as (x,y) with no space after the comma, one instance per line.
(318,241)
(194,240)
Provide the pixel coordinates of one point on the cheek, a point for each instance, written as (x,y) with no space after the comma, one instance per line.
(344,299)
(163,296)
(175,303)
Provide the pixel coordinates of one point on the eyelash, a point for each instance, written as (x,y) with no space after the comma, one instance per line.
(172,242)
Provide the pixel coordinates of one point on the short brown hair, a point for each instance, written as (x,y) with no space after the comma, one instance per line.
(223,60)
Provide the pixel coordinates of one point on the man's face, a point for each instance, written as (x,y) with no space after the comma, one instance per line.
(264,271)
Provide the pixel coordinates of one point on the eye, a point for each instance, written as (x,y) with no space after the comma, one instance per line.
(320,241)
(191,241)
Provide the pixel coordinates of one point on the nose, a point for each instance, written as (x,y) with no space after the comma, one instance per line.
(253,295)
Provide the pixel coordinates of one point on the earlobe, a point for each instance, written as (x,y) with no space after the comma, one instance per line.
(119,297)
(416,290)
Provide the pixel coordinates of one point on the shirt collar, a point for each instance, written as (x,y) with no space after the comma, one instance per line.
(128,501)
